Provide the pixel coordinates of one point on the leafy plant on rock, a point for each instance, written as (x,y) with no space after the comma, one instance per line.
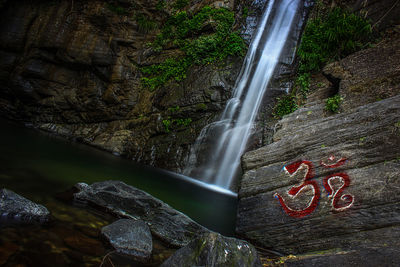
(204,38)
(145,23)
(327,37)
(331,37)
(332,104)
(285,105)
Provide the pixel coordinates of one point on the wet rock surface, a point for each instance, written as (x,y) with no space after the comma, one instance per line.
(17,209)
(130,237)
(364,258)
(212,249)
(166,223)
(331,181)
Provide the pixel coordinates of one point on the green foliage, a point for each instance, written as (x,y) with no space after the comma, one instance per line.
(333,103)
(325,38)
(303,81)
(157,75)
(179,4)
(145,24)
(245,13)
(160,5)
(330,37)
(174,109)
(183,122)
(201,106)
(185,32)
(116,9)
(285,105)
(169,123)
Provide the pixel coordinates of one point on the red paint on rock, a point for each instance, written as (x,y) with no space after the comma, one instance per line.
(292,169)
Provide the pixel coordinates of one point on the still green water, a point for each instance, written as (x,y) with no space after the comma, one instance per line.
(38,165)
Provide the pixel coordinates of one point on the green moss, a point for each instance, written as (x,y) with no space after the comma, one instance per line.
(201,106)
(170,124)
(186,32)
(333,103)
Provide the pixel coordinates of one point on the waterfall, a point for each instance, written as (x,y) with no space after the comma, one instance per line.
(215,157)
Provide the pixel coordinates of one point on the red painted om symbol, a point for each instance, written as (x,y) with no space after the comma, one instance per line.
(336,196)
(292,169)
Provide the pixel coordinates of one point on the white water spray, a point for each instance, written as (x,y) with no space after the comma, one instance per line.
(226,139)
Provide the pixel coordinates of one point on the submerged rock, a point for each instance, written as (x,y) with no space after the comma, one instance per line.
(166,223)
(212,249)
(130,237)
(17,209)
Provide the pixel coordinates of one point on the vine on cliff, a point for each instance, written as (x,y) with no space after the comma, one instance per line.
(204,38)
(327,37)
(331,37)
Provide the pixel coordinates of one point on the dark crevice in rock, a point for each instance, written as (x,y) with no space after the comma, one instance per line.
(334,89)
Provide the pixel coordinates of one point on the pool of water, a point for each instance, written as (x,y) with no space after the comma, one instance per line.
(37,166)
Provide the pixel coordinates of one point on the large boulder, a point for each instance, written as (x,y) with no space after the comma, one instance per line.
(332,181)
(17,209)
(212,249)
(168,224)
(347,169)
(130,237)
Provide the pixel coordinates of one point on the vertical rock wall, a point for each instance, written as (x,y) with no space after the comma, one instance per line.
(72,68)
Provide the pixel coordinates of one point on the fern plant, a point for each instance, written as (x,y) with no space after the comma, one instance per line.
(331,37)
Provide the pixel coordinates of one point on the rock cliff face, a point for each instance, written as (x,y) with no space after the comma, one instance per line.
(72,68)
(331,181)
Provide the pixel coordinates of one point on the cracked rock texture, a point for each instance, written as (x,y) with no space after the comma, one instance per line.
(130,237)
(212,249)
(17,209)
(355,218)
(72,68)
(166,223)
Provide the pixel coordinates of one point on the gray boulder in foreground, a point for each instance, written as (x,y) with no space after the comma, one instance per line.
(168,224)
(17,209)
(213,249)
(130,237)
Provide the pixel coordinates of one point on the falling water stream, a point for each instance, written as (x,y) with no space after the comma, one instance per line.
(226,139)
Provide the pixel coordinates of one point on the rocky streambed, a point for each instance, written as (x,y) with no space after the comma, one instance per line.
(144,231)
